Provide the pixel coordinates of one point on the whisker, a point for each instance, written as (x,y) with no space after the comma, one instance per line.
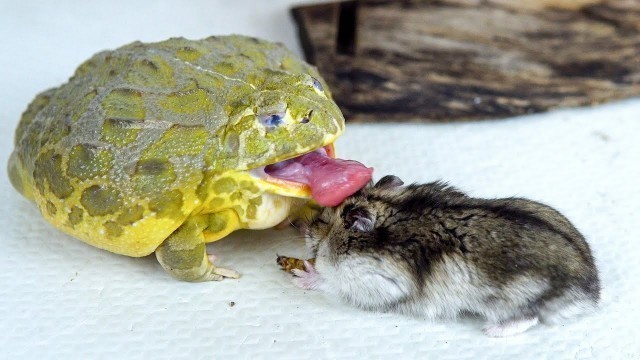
(292,223)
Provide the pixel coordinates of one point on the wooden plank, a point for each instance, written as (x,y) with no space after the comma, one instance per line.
(453,60)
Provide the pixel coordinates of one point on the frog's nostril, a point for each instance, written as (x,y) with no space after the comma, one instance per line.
(307,118)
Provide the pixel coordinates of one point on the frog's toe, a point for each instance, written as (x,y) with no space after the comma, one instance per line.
(210,277)
(222,272)
(228,273)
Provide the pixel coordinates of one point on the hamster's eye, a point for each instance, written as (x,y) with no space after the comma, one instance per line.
(272,120)
(317,85)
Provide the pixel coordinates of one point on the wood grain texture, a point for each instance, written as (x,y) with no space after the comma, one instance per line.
(453,60)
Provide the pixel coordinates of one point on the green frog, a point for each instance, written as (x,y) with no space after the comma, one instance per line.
(163,147)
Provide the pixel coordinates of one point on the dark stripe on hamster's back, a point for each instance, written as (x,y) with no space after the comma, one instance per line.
(505,208)
(439,196)
(525,217)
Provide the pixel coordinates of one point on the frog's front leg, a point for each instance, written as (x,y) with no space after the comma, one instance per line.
(184,254)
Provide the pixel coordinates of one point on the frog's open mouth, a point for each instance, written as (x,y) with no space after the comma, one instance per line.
(329,180)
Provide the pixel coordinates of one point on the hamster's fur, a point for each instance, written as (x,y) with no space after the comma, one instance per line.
(431,250)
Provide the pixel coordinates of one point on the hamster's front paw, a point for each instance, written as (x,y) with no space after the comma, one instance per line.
(307,279)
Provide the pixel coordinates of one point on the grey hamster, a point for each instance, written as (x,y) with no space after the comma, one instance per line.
(432,251)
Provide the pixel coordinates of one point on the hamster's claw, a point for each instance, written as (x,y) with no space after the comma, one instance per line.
(309,279)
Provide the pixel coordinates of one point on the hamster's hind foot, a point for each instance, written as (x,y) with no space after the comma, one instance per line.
(510,327)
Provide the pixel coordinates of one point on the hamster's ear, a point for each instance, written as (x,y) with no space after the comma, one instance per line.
(388,182)
(358,218)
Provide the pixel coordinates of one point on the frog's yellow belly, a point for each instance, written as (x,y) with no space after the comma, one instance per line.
(143,236)
(232,201)
(116,234)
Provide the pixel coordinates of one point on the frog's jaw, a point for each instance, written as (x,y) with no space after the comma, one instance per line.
(258,204)
(258,200)
(273,210)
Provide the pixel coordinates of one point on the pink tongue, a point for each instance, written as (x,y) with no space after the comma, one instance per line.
(330,180)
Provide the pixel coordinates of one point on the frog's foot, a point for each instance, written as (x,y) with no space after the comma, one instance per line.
(307,279)
(183,254)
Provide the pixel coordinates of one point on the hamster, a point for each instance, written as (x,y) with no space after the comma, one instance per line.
(432,251)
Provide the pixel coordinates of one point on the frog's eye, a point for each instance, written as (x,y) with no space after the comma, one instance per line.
(272,120)
(317,85)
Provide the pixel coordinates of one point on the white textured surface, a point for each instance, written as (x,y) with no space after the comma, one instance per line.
(60,298)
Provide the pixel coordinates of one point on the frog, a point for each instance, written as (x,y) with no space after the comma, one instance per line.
(163,147)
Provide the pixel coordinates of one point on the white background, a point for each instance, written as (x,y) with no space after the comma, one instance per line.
(60,298)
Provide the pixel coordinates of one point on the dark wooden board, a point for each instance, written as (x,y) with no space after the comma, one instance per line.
(453,60)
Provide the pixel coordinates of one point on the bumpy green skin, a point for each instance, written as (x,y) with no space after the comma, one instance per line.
(147,136)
